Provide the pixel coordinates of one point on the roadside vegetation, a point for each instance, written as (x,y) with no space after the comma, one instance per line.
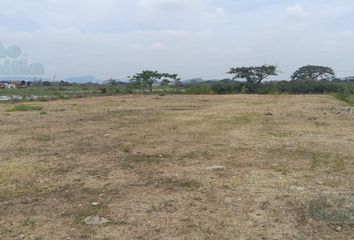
(346,97)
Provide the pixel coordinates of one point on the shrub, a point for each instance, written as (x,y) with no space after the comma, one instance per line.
(199,89)
(226,87)
(308,86)
(25,108)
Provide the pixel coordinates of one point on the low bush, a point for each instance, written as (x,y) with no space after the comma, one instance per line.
(25,108)
(274,87)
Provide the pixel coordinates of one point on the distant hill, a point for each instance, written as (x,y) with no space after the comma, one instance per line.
(82,79)
(200,81)
(193,81)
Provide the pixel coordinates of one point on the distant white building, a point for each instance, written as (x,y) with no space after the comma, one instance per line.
(10,85)
(351,78)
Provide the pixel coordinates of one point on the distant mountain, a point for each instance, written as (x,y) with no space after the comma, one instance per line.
(200,81)
(82,79)
(193,81)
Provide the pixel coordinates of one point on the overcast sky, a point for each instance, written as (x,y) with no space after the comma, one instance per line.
(194,38)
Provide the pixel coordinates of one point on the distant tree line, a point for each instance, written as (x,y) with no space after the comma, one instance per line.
(47,83)
(310,79)
(255,75)
(275,87)
(306,80)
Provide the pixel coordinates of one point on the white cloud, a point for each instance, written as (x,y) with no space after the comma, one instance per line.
(220,12)
(191,37)
(296,11)
(153,46)
(346,34)
(171,5)
(330,42)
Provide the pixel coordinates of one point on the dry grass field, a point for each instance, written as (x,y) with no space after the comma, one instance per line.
(178,167)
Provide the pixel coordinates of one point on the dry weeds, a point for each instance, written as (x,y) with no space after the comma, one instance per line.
(145,163)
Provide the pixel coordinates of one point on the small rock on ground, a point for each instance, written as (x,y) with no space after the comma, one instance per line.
(94,220)
(215,168)
(347,110)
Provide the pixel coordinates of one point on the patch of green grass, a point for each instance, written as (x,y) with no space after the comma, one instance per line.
(240,119)
(25,108)
(38,238)
(146,158)
(280,134)
(340,162)
(333,208)
(335,161)
(320,158)
(43,138)
(348,98)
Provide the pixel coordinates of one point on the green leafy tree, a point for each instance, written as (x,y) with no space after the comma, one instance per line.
(254,75)
(146,79)
(313,72)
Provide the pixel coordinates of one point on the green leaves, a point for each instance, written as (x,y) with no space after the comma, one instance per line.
(313,72)
(147,78)
(254,75)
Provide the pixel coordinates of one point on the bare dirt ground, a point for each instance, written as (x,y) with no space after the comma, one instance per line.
(178,167)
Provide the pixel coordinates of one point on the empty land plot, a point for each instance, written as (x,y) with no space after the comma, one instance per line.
(178,167)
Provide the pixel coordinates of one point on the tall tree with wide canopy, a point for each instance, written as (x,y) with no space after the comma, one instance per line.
(148,78)
(254,75)
(313,72)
